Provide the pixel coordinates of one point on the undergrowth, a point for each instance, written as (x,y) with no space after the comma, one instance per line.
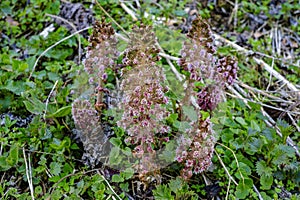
(253,152)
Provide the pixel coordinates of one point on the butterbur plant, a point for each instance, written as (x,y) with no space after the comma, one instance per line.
(207,78)
(145,108)
(86,111)
(143,98)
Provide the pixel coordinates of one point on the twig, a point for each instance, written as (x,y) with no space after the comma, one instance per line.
(225,168)
(168,56)
(237,163)
(173,68)
(132,14)
(228,187)
(49,48)
(266,105)
(109,185)
(236,160)
(28,174)
(48,98)
(265,93)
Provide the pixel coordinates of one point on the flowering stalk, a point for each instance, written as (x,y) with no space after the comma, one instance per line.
(207,79)
(143,97)
(101,54)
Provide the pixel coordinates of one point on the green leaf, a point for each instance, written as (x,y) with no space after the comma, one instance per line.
(4,166)
(172,117)
(180,13)
(175,185)
(124,187)
(263,169)
(127,151)
(117,178)
(169,153)
(245,169)
(182,126)
(114,156)
(266,182)
(16,87)
(64,111)
(227,135)
(127,173)
(34,106)
(19,66)
(55,168)
(265,196)
(243,188)
(241,121)
(162,192)
(13,156)
(255,126)
(254,145)
(116,141)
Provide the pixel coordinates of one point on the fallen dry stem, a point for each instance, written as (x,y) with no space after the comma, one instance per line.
(28,174)
(52,46)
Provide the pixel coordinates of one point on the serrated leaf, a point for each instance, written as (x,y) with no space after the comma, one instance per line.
(263,169)
(288,150)
(162,192)
(55,168)
(254,145)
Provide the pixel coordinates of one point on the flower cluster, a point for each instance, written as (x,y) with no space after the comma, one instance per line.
(89,130)
(144,95)
(196,153)
(209,97)
(101,54)
(102,51)
(227,70)
(200,60)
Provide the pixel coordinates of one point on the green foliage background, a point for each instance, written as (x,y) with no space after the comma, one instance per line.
(250,151)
